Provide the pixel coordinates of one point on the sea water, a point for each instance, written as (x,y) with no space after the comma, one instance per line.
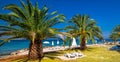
(14,45)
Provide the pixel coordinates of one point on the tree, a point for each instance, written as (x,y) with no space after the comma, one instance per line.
(32,23)
(116,29)
(115,34)
(84,28)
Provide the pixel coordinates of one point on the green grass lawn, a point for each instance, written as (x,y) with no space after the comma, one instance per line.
(93,54)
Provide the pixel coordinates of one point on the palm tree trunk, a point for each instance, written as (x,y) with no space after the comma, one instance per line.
(83,44)
(36,50)
(114,42)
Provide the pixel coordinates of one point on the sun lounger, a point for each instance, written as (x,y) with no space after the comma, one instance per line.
(69,55)
(73,55)
(77,54)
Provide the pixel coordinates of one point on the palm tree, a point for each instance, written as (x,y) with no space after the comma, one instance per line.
(84,28)
(31,23)
(116,29)
(114,36)
(115,33)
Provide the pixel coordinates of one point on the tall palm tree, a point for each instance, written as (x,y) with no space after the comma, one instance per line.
(115,33)
(84,28)
(116,29)
(32,23)
(114,36)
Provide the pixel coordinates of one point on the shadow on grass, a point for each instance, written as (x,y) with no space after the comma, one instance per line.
(22,60)
(118,51)
(87,49)
(15,59)
(25,60)
(53,55)
(90,48)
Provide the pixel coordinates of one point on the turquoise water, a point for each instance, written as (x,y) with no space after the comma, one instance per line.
(14,45)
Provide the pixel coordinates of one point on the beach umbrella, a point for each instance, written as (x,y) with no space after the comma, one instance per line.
(74,42)
(46,42)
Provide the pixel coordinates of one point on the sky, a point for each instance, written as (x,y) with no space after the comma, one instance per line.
(105,12)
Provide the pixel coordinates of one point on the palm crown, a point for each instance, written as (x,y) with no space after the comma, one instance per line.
(31,22)
(115,33)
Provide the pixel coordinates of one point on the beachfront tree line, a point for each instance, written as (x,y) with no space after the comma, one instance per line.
(30,22)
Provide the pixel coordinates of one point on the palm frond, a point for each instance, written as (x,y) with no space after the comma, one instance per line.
(16,9)
(7,39)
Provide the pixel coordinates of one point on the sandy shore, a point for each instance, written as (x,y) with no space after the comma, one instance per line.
(45,50)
